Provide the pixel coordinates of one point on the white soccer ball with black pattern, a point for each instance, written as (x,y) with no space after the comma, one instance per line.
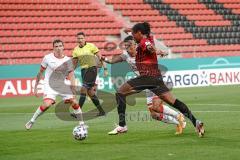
(80,132)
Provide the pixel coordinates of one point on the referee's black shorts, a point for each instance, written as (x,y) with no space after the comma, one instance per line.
(89,76)
(155,84)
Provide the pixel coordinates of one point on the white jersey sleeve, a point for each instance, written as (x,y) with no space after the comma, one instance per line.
(131,61)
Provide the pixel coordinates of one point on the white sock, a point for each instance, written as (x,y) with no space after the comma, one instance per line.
(168,111)
(37,113)
(169,119)
(78,112)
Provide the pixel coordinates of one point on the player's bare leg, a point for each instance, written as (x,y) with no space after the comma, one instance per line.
(41,109)
(169,98)
(163,113)
(160,116)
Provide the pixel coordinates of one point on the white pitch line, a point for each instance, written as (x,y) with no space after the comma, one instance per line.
(217,111)
(190,104)
(212,104)
(128,112)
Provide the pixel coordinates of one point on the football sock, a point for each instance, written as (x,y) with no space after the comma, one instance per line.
(169,111)
(96,102)
(82,99)
(165,118)
(185,111)
(38,112)
(169,119)
(78,112)
(121,102)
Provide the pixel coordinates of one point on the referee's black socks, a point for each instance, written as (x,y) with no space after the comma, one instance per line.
(96,102)
(184,110)
(82,99)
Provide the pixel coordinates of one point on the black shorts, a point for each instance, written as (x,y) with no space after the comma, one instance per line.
(89,76)
(155,84)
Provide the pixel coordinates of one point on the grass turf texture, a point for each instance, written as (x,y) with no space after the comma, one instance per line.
(51,138)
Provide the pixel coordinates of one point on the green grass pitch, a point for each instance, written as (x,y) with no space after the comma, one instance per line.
(51,138)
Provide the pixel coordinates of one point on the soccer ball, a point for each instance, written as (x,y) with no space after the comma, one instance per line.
(80,132)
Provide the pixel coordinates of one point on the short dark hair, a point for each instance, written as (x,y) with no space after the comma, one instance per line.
(57,41)
(128,38)
(80,33)
(144,28)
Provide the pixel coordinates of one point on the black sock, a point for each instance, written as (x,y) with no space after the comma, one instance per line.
(82,99)
(184,110)
(97,103)
(121,102)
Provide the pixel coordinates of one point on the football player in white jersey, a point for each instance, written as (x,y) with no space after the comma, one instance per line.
(59,80)
(158,110)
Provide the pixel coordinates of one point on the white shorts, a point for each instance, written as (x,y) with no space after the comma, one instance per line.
(150,96)
(49,93)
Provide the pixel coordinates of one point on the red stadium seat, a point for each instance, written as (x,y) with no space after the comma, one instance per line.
(236,11)
(167,24)
(204,17)
(29,26)
(180,2)
(124,2)
(187,6)
(140,12)
(150,18)
(45,1)
(176,36)
(196,12)
(168,30)
(38,13)
(232,5)
(47,6)
(132,6)
(211,54)
(228,1)
(212,23)
(186,42)
(206,48)
(62,19)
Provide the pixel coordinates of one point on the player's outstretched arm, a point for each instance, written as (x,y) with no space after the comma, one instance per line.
(114,59)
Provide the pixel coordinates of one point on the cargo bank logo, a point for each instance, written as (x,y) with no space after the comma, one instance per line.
(220,72)
(187,78)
